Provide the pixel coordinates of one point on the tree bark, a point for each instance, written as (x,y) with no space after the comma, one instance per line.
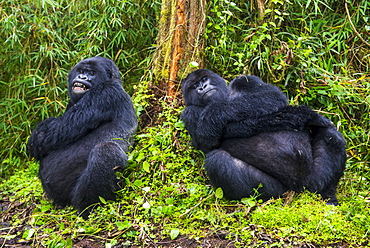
(261,8)
(179,42)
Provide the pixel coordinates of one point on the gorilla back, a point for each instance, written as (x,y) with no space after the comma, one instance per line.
(80,151)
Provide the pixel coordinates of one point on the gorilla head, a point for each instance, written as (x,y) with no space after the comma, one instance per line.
(202,87)
(253,86)
(87,73)
(250,83)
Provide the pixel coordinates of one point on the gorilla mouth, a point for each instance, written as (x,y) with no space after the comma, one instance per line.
(209,93)
(79,87)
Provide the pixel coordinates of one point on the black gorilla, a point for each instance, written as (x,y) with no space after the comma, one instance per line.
(253,107)
(80,151)
(252,137)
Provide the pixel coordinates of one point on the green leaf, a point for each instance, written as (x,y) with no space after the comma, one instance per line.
(146,166)
(123,225)
(28,233)
(102,200)
(250,202)
(174,233)
(45,208)
(219,193)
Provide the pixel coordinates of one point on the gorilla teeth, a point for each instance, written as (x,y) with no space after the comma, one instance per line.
(80,86)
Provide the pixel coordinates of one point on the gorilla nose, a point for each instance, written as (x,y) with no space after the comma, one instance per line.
(203,87)
(83,77)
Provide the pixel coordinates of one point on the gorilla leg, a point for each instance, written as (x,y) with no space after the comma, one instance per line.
(285,155)
(329,152)
(99,177)
(239,179)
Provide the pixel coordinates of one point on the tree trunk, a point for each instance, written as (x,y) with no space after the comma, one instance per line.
(179,42)
(261,8)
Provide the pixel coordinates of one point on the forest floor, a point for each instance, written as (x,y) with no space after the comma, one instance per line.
(13,235)
(16,216)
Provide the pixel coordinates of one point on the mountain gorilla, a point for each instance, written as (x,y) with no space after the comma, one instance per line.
(252,137)
(80,151)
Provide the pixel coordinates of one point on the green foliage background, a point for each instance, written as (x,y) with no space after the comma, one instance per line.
(42,40)
(308,48)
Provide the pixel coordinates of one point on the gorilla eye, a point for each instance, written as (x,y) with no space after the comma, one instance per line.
(204,79)
(196,85)
(91,73)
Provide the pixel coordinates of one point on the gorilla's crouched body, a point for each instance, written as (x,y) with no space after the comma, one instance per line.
(252,137)
(80,151)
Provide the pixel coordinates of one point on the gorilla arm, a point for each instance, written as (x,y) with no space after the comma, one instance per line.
(190,117)
(294,118)
(242,116)
(210,125)
(219,121)
(249,98)
(87,114)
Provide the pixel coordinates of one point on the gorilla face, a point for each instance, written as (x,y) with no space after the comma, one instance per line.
(202,87)
(87,74)
(81,83)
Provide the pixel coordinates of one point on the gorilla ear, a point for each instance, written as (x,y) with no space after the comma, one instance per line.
(113,72)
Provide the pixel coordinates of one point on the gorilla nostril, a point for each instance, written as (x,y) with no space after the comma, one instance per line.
(82,77)
(203,86)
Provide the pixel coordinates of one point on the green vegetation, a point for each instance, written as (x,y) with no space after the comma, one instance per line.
(42,40)
(308,48)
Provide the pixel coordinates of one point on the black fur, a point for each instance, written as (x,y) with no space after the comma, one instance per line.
(252,137)
(80,151)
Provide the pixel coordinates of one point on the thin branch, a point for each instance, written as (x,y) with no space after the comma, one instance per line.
(353,26)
